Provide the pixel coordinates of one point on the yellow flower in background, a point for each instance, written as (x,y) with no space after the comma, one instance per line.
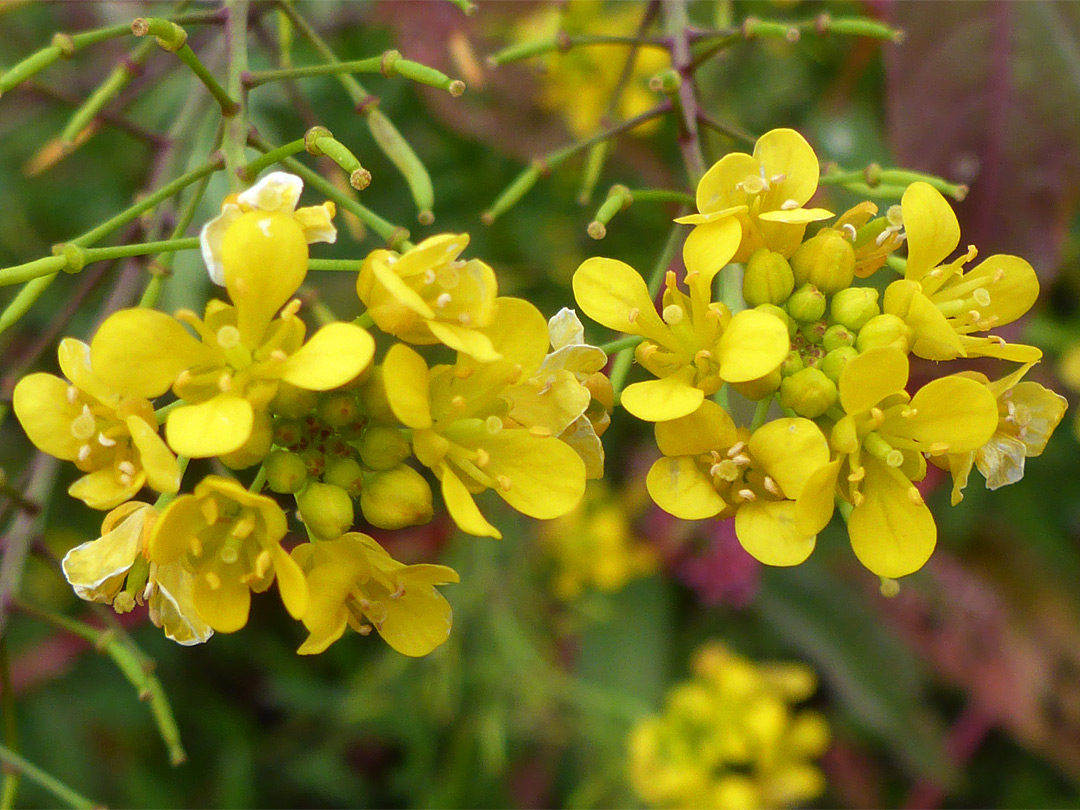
(111,437)
(1069,372)
(427,295)
(579,84)
(113,569)
(945,305)
(873,238)
(880,444)
(354,583)
(1028,414)
(276,193)
(463,431)
(764,192)
(228,375)
(694,347)
(229,540)
(595,546)
(711,468)
(731,737)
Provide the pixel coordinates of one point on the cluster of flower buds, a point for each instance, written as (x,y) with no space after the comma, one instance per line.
(730,737)
(327,420)
(835,355)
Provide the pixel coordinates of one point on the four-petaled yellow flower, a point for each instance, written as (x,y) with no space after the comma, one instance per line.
(227,378)
(464,432)
(694,347)
(353,582)
(229,540)
(765,193)
(427,295)
(111,437)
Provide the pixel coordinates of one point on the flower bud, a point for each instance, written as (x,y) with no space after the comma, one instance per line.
(780,313)
(761,387)
(827,261)
(768,278)
(345,473)
(327,510)
(396,498)
(382,448)
(373,397)
(599,386)
(884,330)
(807,304)
(338,410)
(813,355)
(292,401)
(286,472)
(834,362)
(836,336)
(814,332)
(854,306)
(289,432)
(792,364)
(809,393)
(255,448)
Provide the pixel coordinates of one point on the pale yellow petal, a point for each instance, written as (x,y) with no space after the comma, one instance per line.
(334,355)
(768,532)
(679,487)
(405,378)
(667,398)
(212,428)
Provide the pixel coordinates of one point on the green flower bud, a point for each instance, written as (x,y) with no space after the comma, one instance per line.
(809,393)
(792,363)
(345,473)
(396,498)
(813,355)
(768,278)
(761,387)
(836,336)
(382,448)
(289,432)
(780,313)
(835,361)
(884,330)
(827,261)
(292,401)
(814,332)
(807,304)
(286,472)
(338,410)
(327,510)
(255,448)
(373,397)
(854,306)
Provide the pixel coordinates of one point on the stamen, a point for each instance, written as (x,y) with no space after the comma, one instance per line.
(632,315)
(224,382)
(105,441)
(773,487)
(938,448)
(458,402)
(126,467)
(857,475)
(982,297)
(84,452)
(443,300)
(196,546)
(735,449)
(747,494)
(263,563)
(999,275)
(464,319)
(429,276)
(741,460)
(291,308)
(126,479)
(877,415)
(493,424)
(464,372)
(539,431)
(483,458)
(849,229)
(504,482)
(914,496)
(778,178)
(213,580)
(72,394)
(789,205)
(278,356)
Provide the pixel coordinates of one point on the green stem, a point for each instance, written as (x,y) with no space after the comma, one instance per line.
(48,782)
(342,265)
(229,106)
(165,498)
(11,728)
(63,46)
(353,88)
(260,480)
(26,298)
(628,342)
(120,77)
(371,65)
(663,196)
(730,130)
(879,180)
(236,126)
(162,413)
(47,266)
(142,249)
(761,412)
(161,268)
(249,172)
(563,42)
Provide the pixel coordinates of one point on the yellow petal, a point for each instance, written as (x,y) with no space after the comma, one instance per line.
(42,408)
(753,345)
(791,451)
(462,508)
(74,356)
(539,476)
(316,221)
(785,154)
(892,533)
(419,621)
(708,248)
(212,428)
(768,532)
(718,188)
(935,338)
(334,355)
(467,341)
(162,469)
(224,608)
(954,411)
(1011,283)
(1001,461)
(1041,409)
(139,352)
(931,227)
(814,507)
(96,569)
(613,294)
(796,216)
(103,489)
(276,192)
(872,376)
(707,428)
(681,488)
(667,398)
(405,378)
(290,581)
(172,607)
(996,347)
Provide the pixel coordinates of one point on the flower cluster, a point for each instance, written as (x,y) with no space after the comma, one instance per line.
(328,420)
(730,737)
(834,356)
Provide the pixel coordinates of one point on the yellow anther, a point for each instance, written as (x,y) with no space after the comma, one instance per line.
(539,431)
(291,308)
(464,372)
(999,275)
(483,458)
(429,276)
(735,449)
(914,496)
(213,580)
(443,299)
(778,178)
(773,487)
(84,452)
(789,205)
(909,412)
(632,315)
(493,424)
(938,448)
(747,494)
(741,460)
(877,416)
(105,441)
(504,482)
(399,591)
(126,479)
(263,562)
(182,379)
(850,231)
(857,498)
(126,467)
(72,394)
(364,629)
(196,546)
(458,402)
(857,475)
(278,356)
(224,382)
(647,350)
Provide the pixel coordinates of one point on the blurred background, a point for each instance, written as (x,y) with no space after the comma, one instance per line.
(962,691)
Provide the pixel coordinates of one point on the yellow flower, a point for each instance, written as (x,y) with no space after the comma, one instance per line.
(711,468)
(354,582)
(114,570)
(427,295)
(229,540)
(277,192)
(731,737)
(228,377)
(556,396)
(945,305)
(764,192)
(694,347)
(110,437)
(880,444)
(596,546)
(463,430)
(1028,414)
(873,238)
